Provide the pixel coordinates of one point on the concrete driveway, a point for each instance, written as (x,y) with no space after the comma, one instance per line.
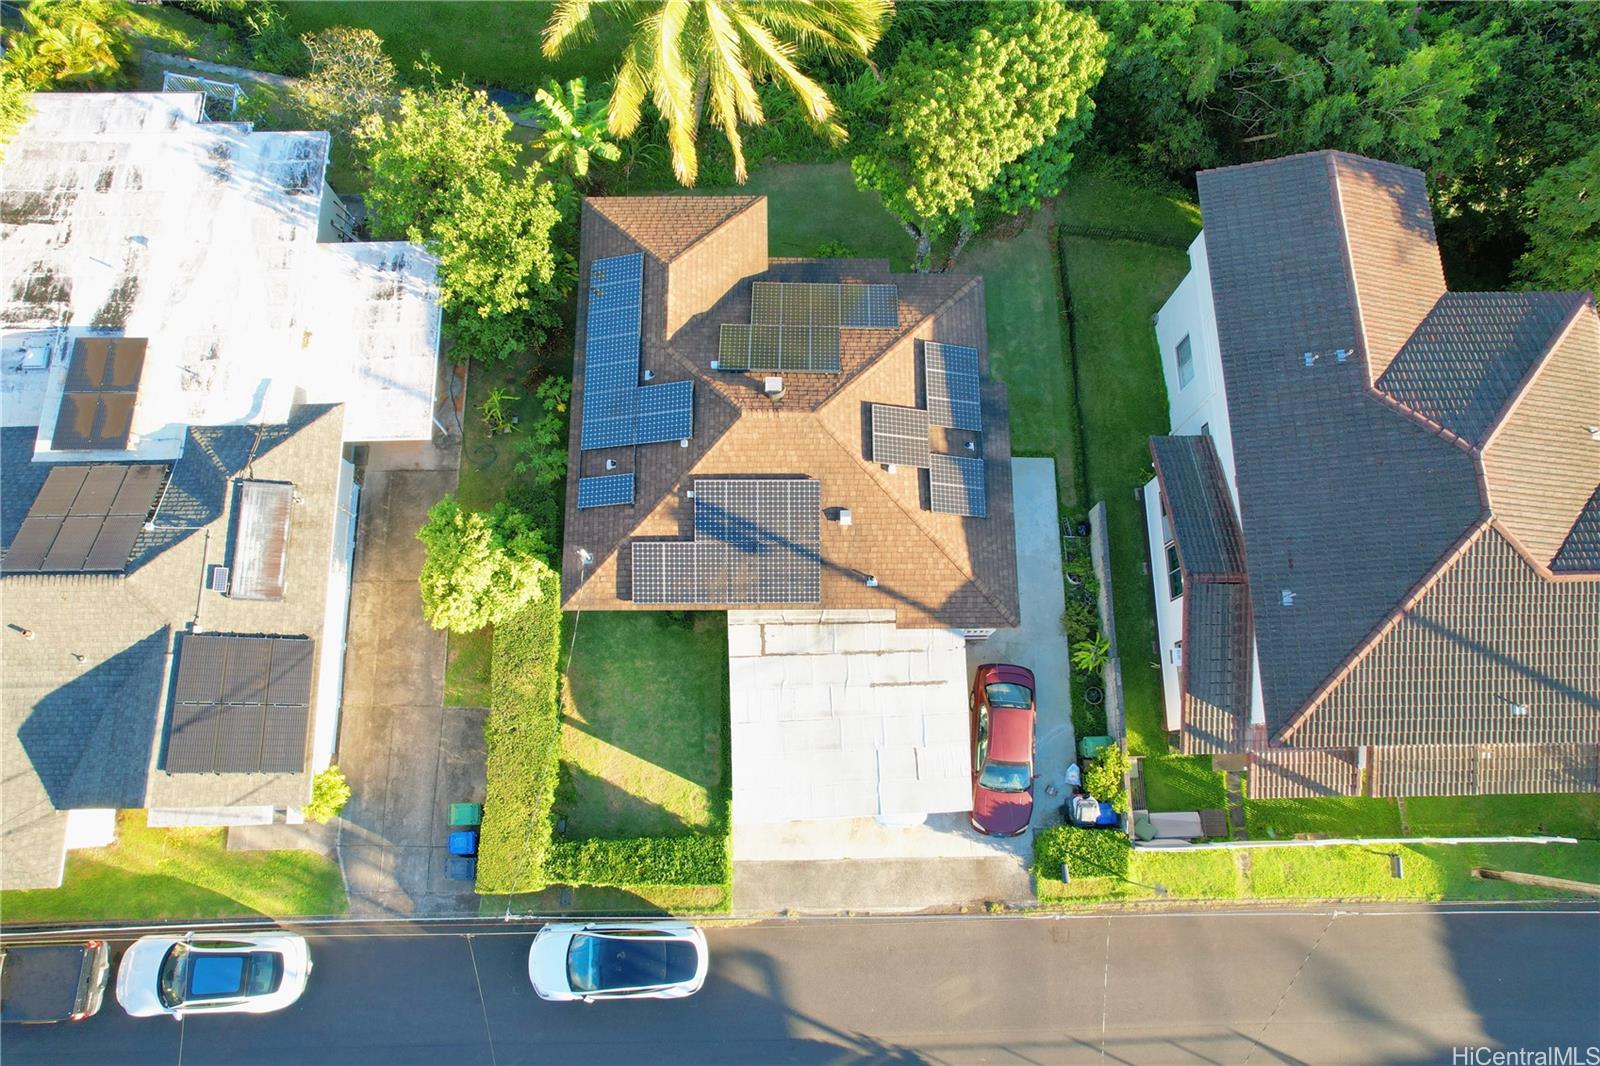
(1040,644)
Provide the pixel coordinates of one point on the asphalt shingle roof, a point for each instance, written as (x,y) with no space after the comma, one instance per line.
(700,258)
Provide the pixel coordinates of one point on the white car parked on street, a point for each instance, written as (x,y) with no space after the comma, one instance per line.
(229,973)
(616,960)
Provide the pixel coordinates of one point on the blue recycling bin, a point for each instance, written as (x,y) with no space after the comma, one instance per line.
(464,842)
(461,868)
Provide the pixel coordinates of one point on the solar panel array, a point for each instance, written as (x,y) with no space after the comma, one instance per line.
(240,705)
(617,412)
(950,372)
(899,435)
(607,490)
(955,486)
(85,518)
(96,411)
(794,325)
(756,540)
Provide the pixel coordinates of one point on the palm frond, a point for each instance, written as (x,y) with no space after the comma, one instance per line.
(816,106)
(627,96)
(840,29)
(673,86)
(568,19)
(733,90)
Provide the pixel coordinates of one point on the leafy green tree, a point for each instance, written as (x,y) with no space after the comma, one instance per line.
(683,54)
(542,451)
(960,113)
(1102,778)
(494,247)
(329,793)
(419,155)
(480,568)
(1564,233)
(572,128)
(14,105)
(68,44)
(351,77)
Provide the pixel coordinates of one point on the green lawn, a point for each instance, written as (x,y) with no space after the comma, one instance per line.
(1182,783)
(1561,815)
(152,874)
(1092,199)
(487,43)
(1334,816)
(644,723)
(1117,286)
(1350,872)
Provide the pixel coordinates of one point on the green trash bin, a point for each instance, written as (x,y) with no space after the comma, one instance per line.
(1089,747)
(466,814)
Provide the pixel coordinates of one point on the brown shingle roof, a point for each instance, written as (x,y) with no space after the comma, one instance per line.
(1216,666)
(933,569)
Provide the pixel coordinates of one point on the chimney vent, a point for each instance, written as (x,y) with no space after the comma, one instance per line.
(649,375)
(611,464)
(872,582)
(1288,597)
(773,387)
(844,516)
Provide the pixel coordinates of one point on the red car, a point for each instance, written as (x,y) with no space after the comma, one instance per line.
(1002,749)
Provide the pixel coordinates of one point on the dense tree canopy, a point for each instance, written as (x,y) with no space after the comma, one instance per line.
(351,77)
(480,568)
(685,54)
(1564,230)
(994,115)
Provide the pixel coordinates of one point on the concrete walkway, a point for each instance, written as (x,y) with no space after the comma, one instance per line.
(406,755)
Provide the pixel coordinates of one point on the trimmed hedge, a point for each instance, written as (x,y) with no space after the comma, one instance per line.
(1088,852)
(523,741)
(700,859)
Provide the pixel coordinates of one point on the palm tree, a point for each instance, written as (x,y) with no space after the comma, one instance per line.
(686,53)
(572,127)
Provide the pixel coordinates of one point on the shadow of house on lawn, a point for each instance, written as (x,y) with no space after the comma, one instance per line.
(595,807)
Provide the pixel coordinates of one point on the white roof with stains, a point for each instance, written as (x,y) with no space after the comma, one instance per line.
(126,214)
(846,719)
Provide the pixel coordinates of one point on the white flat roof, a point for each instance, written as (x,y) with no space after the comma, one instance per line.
(124,214)
(846,720)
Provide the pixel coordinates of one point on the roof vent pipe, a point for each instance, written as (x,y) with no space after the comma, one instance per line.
(844,516)
(773,387)
(872,582)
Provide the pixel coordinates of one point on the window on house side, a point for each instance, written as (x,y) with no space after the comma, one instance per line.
(1174,573)
(1185,363)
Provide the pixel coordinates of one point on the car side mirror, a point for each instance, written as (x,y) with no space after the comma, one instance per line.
(177,1015)
(588,999)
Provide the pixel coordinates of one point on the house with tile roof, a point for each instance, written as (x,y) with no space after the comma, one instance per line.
(808,444)
(1375,527)
(188,357)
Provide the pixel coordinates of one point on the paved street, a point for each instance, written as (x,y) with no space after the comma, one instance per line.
(1307,987)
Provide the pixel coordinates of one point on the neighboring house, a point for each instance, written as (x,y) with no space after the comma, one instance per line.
(184,372)
(814,446)
(1375,532)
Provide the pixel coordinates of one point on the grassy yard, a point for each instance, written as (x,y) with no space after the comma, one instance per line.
(484,43)
(180,873)
(1432,872)
(1334,816)
(1568,816)
(1182,783)
(1117,285)
(644,719)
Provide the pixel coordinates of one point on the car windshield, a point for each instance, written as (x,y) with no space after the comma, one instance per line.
(605,963)
(1005,777)
(1007,694)
(169,983)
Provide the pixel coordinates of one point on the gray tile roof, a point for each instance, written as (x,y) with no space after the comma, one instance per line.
(1581,551)
(81,700)
(1484,769)
(1198,505)
(1468,357)
(1346,501)
(1489,636)
(1216,666)
(1300,773)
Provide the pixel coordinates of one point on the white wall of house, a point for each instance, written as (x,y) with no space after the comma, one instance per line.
(208,817)
(1169,608)
(330,671)
(1197,399)
(91,828)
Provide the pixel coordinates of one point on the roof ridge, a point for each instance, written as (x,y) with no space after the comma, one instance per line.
(749,201)
(1370,642)
(1561,334)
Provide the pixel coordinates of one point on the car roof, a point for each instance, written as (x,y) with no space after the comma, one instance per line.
(1010,734)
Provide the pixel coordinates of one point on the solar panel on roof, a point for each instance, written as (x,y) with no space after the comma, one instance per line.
(950,372)
(96,411)
(85,518)
(240,705)
(899,435)
(869,306)
(956,486)
(666,412)
(606,490)
(777,347)
(757,540)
